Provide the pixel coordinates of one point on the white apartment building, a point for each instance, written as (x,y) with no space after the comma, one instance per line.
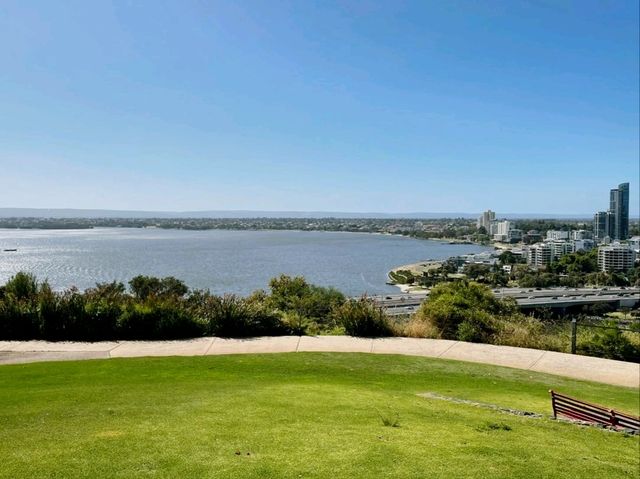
(560,248)
(615,257)
(583,245)
(500,230)
(540,255)
(581,235)
(555,235)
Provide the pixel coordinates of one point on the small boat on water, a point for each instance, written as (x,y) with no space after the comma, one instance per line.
(11,249)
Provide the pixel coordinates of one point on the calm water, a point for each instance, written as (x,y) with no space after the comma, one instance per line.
(223,261)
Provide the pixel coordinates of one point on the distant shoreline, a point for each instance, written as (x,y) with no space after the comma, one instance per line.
(79,213)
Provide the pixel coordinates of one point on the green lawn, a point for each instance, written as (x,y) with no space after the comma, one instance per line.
(298,415)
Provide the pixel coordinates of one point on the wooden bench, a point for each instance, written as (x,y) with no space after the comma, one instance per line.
(577,410)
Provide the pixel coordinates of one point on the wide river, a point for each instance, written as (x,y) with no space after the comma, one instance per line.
(222,261)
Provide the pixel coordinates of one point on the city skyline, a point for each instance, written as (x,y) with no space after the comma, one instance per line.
(351,107)
(614,222)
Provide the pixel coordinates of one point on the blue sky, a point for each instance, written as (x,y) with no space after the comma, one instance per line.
(441,106)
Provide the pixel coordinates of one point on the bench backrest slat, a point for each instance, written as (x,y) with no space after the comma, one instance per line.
(578,410)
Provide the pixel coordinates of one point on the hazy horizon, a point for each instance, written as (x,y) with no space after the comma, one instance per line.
(100,212)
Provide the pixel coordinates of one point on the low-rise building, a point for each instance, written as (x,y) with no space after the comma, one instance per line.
(583,245)
(504,232)
(514,235)
(616,257)
(581,235)
(555,235)
(532,236)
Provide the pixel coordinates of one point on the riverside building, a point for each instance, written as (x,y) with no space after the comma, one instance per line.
(485,220)
(501,229)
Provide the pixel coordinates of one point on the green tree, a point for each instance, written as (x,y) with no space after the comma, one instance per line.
(144,287)
(295,295)
(464,310)
(477,272)
(22,286)
(362,317)
(508,257)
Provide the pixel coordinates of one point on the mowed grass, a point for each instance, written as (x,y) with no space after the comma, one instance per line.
(298,415)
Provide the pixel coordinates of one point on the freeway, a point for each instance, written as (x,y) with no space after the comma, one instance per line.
(404,304)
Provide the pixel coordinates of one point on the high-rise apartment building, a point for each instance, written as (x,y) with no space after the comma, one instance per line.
(623,213)
(601,225)
(614,223)
(486,219)
(619,212)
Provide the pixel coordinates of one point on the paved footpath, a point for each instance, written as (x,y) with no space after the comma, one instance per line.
(608,371)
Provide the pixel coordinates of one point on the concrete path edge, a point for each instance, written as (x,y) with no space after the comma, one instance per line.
(608,371)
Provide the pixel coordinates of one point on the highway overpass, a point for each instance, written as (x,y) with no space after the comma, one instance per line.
(528,298)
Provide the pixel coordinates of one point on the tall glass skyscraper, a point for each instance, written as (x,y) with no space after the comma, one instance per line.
(601,225)
(619,212)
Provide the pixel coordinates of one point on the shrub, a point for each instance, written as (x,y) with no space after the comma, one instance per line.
(62,316)
(287,292)
(295,295)
(418,328)
(19,309)
(18,319)
(231,316)
(361,317)
(611,343)
(102,318)
(298,324)
(528,332)
(463,310)
(104,305)
(476,329)
(158,319)
(22,286)
(144,287)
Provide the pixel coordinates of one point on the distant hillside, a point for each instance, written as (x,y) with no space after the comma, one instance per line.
(88,213)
